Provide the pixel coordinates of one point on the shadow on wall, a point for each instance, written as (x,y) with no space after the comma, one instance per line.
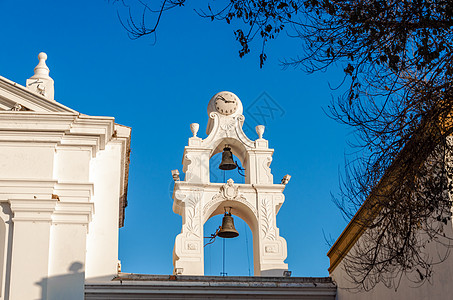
(68,286)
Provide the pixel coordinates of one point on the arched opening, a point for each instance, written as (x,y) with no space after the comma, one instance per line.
(239,155)
(228,257)
(242,249)
(221,176)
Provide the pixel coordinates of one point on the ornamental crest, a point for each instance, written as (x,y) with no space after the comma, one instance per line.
(229,191)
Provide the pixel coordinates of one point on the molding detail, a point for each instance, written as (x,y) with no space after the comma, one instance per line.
(33,210)
(267,217)
(270,249)
(227,126)
(228,192)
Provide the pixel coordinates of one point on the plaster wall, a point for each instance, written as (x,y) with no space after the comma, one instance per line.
(49,186)
(438,287)
(102,239)
(66,267)
(26,161)
(30,259)
(72,164)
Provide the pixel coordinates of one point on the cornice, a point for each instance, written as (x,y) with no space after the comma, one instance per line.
(215,186)
(344,243)
(33,210)
(48,200)
(66,129)
(133,286)
(26,188)
(74,191)
(73,213)
(123,135)
(36,121)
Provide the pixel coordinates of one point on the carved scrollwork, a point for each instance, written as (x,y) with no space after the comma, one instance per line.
(192,213)
(267,225)
(266,174)
(18,107)
(227,125)
(193,162)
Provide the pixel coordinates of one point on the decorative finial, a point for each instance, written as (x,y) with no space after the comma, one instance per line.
(286,179)
(41,70)
(194,128)
(260,131)
(175,175)
(41,82)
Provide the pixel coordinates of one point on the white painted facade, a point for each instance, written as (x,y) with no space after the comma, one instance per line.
(408,286)
(257,201)
(63,177)
(438,287)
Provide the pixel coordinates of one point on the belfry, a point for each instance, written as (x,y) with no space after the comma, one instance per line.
(257,201)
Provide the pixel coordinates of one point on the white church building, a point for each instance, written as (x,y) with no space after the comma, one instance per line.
(63,193)
(63,184)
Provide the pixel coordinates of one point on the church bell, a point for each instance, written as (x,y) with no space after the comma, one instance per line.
(227,162)
(228,231)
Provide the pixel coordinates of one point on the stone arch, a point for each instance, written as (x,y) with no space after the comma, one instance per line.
(239,257)
(244,212)
(238,149)
(239,209)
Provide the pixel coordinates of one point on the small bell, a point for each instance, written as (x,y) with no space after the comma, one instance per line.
(228,231)
(227,162)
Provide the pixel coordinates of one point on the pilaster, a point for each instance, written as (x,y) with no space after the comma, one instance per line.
(188,255)
(30,252)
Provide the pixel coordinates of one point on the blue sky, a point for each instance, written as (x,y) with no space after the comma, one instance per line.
(158,87)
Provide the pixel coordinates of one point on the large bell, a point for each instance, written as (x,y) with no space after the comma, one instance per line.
(227,162)
(228,231)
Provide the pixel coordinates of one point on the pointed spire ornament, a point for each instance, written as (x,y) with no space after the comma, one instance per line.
(41,83)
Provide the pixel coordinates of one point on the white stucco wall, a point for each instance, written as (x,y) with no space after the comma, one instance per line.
(62,174)
(102,240)
(438,287)
(58,173)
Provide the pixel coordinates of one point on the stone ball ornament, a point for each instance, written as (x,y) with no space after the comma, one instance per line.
(225,103)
